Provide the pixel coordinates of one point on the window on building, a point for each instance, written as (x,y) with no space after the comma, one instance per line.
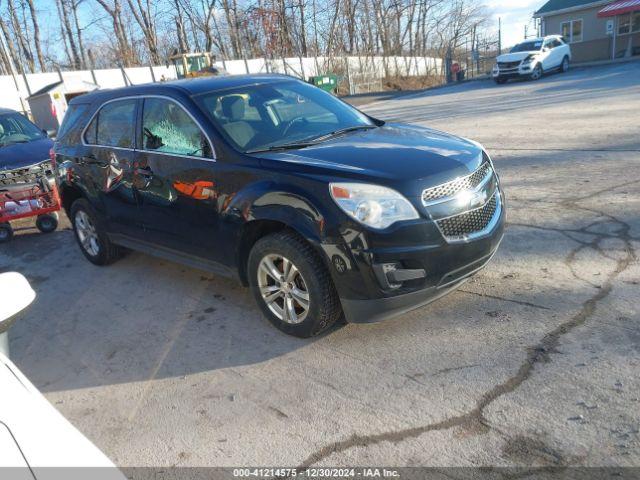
(572,31)
(576,31)
(624,24)
(635,24)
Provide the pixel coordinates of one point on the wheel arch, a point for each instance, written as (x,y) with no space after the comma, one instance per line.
(275,211)
(68,194)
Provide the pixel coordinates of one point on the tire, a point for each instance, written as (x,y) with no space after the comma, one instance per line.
(564,66)
(309,276)
(537,73)
(47,223)
(6,232)
(89,228)
(500,80)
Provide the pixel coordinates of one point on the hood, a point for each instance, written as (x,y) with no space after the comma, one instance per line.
(19,155)
(515,57)
(403,157)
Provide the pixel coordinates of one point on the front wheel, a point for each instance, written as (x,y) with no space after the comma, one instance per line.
(292,285)
(537,72)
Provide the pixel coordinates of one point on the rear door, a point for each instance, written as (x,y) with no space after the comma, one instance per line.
(555,54)
(176,178)
(108,162)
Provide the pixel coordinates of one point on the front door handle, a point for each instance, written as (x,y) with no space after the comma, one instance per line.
(144,172)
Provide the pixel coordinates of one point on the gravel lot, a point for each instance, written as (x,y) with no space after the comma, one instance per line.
(535,361)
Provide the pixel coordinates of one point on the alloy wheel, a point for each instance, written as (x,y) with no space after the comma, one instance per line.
(537,73)
(87,233)
(283,288)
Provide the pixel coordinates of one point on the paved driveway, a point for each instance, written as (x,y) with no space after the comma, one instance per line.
(533,362)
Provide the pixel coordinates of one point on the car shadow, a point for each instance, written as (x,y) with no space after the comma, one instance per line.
(139,319)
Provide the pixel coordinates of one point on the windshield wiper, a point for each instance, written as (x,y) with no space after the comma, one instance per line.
(341,131)
(313,141)
(285,146)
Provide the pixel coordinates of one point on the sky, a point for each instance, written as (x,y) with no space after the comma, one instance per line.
(515,14)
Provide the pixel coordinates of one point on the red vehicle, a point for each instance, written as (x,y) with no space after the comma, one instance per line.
(28,192)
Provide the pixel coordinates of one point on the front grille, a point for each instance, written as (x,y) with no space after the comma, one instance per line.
(469,223)
(26,175)
(504,65)
(447,190)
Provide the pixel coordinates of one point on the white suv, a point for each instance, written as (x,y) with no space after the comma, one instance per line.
(532,58)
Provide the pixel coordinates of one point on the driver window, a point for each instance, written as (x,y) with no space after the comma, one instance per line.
(167,128)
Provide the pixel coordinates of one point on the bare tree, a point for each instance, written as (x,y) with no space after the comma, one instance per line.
(36,35)
(24,51)
(144,12)
(124,50)
(13,52)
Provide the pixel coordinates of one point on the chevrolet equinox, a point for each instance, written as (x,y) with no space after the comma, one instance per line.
(321,210)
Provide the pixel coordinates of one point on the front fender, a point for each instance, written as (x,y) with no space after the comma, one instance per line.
(299,209)
(267,206)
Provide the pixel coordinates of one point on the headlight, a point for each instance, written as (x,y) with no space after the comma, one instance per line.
(372,205)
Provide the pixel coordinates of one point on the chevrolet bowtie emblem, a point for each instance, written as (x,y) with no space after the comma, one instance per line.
(478,198)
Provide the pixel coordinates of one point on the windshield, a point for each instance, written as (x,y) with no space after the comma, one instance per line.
(262,117)
(15,128)
(527,47)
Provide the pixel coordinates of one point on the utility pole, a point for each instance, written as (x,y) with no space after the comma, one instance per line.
(13,74)
(499,36)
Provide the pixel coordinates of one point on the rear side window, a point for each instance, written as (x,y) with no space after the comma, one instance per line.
(73,113)
(114,125)
(168,128)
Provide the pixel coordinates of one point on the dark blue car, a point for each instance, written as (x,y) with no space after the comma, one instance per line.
(24,162)
(22,144)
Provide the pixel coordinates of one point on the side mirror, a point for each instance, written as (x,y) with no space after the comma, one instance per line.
(15,295)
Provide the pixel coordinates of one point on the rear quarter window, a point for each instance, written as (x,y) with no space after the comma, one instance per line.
(113,125)
(70,120)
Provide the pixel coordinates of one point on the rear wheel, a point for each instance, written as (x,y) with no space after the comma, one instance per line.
(536,74)
(47,223)
(292,286)
(565,65)
(6,232)
(91,235)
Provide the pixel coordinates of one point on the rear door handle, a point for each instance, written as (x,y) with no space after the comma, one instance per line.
(89,160)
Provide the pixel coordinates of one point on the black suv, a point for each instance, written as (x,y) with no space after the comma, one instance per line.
(320,209)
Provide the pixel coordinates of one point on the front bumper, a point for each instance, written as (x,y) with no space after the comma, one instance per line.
(516,72)
(417,247)
(376,310)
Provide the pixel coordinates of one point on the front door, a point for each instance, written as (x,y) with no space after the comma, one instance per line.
(176,181)
(108,158)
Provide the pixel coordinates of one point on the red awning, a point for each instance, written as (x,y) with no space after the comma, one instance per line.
(619,7)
